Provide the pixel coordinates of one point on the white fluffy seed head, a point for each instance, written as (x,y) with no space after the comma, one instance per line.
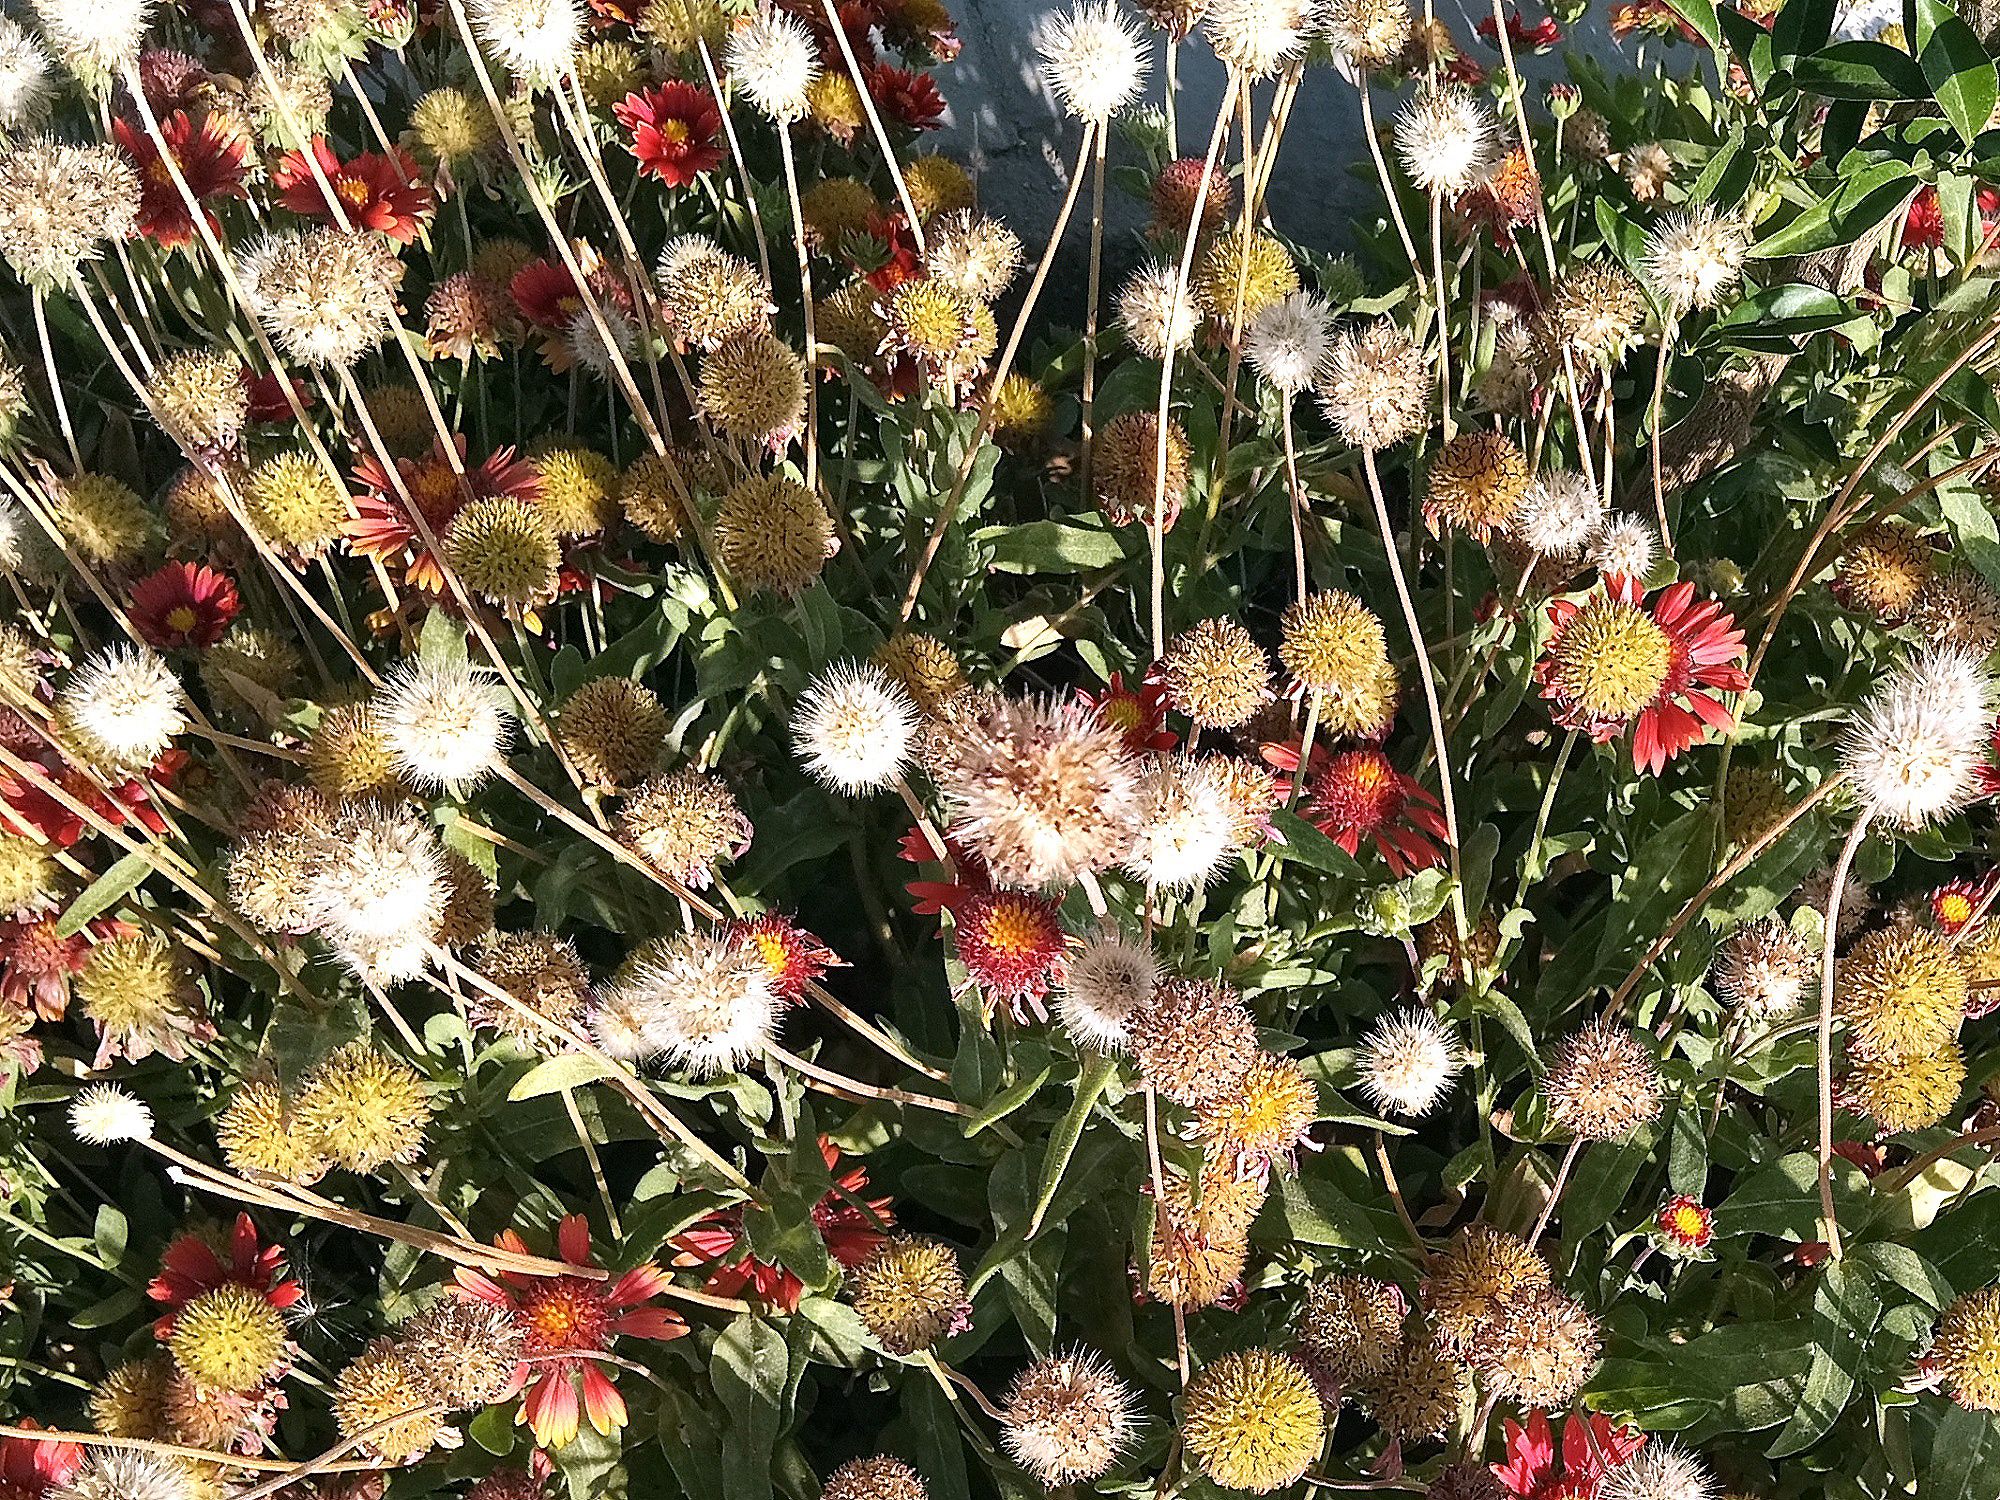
(1258,37)
(1156,313)
(1560,515)
(26,85)
(124,706)
(17,540)
(1068,1417)
(854,727)
(536,39)
(1186,830)
(1692,258)
(704,1002)
(1288,341)
(1407,1062)
(1624,547)
(129,1474)
(773,61)
(1447,139)
(1915,746)
(1662,1470)
(327,295)
(1375,386)
(446,723)
(94,37)
(103,1113)
(377,885)
(586,345)
(1106,982)
(1093,59)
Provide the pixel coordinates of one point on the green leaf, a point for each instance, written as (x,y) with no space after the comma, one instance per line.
(1306,845)
(1965,1456)
(927,1435)
(1775,319)
(1049,547)
(1857,207)
(1006,1101)
(1960,74)
(1845,1312)
(441,642)
(1862,70)
(1700,14)
(552,1075)
(749,1368)
(105,892)
(112,1234)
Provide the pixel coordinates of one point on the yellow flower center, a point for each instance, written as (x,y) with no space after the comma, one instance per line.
(1955,910)
(1611,659)
(1012,928)
(351,191)
(182,618)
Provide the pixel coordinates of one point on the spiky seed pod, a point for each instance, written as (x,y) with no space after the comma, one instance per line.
(250,673)
(1371,34)
(577,490)
(1476,1281)
(1351,1326)
(835,207)
(938,185)
(270,878)
(1093,59)
(1266,1116)
(705,1001)
(447,722)
(1754,801)
(686,823)
(205,1416)
(1965,1351)
(1611,659)
(1446,139)
(1156,313)
(129,1474)
(199,399)
(1068,1417)
(849,319)
(1625,547)
(103,520)
(707,295)
(1647,170)
(1915,746)
(540,972)
(1243,276)
(1764,968)
(28,873)
(366,1108)
(261,1136)
(1334,645)
(1217,674)
(450,128)
(925,666)
(1958,608)
(293,505)
(506,551)
(468,904)
(1901,991)
(60,204)
(752,387)
(349,756)
(774,534)
(1543,1351)
(1883,569)
(611,728)
(327,296)
(467,1350)
(1477,483)
(1407,1062)
(854,727)
(881,1477)
(1257,37)
(230,1337)
(1252,1420)
(1376,386)
(381,1383)
(910,1294)
(130,1402)
(138,991)
(1603,1084)
(1595,314)
(1178,185)
(1694,257)
(657,495)
(1042,791)
(1201,1237)
(1425,1392)
(103,1114)
(1466,1480)
(1193,1041)
(1910,1092)
(680,27)
(122,708)
(1125,478)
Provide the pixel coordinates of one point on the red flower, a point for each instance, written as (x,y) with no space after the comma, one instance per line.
(568,1321)
(193,1264)
(1683,1226)
(891,250)
(183,604)
(267,397)
(1139,713)
(1591,1448)
(1923,222)
(381,526)
(210,158)
(1953,903)
(910,98)
(1355,794)
(1655,16)
(1696,643)
(383,193)
(36,965)
(850,1225)
(793,956)
(673,129)
(1542,35)
(25,804)
(1014,944)
(31,1467)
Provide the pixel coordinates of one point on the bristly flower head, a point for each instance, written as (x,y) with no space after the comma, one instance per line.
(880,1477)
(1595,314)
(123,707)
(1216,674)
(1561,513)
(104,1113)
(1603,1084)
(1288,341)
(1068,1417)
(1915,746)
(1692,258)
(1351,1326)
(130,1474)
(1186,828)
(1334,646)
(1624,547)
(446,722)
(327,295)
(26,88)
(854,727)
(772,59)
(1370,34)
(1193,1041)
(703,1000)
(1902,991)
(1104,984)
(910,1294)
(1659,1471)
(1764,967)
(1375,388)
(1252,1420)
(1447,139)
(1093,59)
(1042,791)
(94,39)
(973,254)
(534,38)
(706,294)
(199,399)
(1156,313)
(1966,1350)
(1408,1060)
(686,823)
(1257,37)
(1477,482)
(60,204)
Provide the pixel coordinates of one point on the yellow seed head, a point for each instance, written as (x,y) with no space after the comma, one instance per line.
(1252,1420)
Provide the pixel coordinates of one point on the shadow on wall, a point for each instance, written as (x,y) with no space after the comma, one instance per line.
(1006,128)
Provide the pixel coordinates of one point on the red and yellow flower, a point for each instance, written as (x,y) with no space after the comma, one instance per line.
(1138,712)
(384,193)
(211,160)
(672,131)
(183,604)
(1684,1227)
(194,1263)
(793,957)
(1358,793)
(381,526)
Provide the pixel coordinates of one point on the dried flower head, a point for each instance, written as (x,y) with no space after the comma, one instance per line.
(708,295)
(370,1396)
(102,519)
(1543,1351)
(611,729)
(1407,1062)
(1104,983)
(854,727)
(542,975)
(1559,515)
(1595,313)
(774,534)
(773,60)
(1603,1084)
(1914,746)
(1692,258)
(926,668)
(1625,547)
(1237,279)
(230,1337)
(533,38)
(103,1114)
(468,1350)
(294,504)
(1266,1117)
(1156,313)
(686,823)
(365,1108)
(1257,37)
(1093,59)
(1068,1417)
(1901,991)
(1351,1326)
(1477,482)
(1764,968)
(122,708)
(910,1294)
(1216,674)
(327,296)
(1423,1394)
(1475,1283)
(1128,481)
(1193,1041)
(973,254)
(1908,1091)
(1446,139)
(1883,570)
(138,991)
(1334,645)
(1965,1350)
(1375,387)
(27,87)
(447,723)
(1370,34)
(1957,607)
(1252,1420)
(130,1401)
(132,1474)
(261,1136)
(1659,1471)
(881,1477)
(199,399)
(1288,341)
(505,550)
